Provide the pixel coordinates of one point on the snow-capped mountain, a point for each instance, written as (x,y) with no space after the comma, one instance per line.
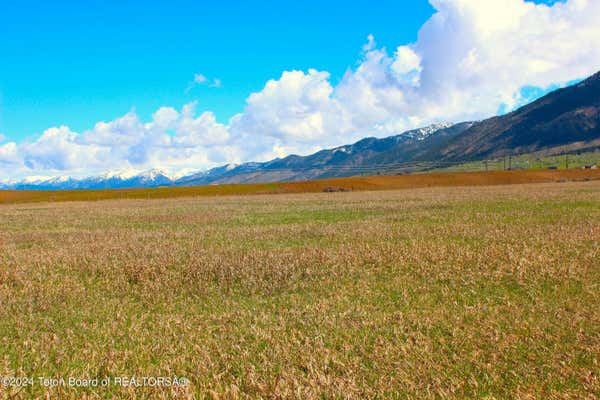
(340,161)
(109,180)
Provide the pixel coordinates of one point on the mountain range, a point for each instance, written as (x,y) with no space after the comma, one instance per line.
(567,119)
(111,180)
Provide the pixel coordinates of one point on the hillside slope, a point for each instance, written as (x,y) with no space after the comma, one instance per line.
(353,159)
(566,119)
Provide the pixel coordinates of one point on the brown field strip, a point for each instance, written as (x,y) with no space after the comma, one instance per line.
(388,182)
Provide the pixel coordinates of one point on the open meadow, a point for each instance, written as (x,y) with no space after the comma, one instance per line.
(448,292)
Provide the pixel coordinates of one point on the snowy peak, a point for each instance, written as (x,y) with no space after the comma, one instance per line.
(422,133)
(122,175)
(153,174)
(108,180)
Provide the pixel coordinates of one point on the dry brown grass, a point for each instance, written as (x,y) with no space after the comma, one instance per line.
(358,183)
(472,292)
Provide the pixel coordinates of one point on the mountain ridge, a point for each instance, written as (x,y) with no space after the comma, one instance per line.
(567,116)
(234,173)
(567,119)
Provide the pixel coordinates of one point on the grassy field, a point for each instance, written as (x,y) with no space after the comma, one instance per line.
(455,292)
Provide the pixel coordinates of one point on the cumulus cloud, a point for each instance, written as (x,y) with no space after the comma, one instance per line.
(471,59)
(293,114)
(59,149)
(8,155)
(165,117)
(174,140)
(477,55)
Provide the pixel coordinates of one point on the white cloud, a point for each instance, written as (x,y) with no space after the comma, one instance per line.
(199,131)
(58,149)
(407,65)
(201,79)
(296,111)
(371,44)
(9,155)
(165,117)
(296,97)
(470,59)
(173,141)
(477,55)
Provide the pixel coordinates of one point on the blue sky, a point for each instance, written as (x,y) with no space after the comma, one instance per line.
(75,63)
(92,86)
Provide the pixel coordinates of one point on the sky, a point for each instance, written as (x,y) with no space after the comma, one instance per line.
(75,63)
(96,86)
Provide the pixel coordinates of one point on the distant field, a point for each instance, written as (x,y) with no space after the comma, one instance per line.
(468,292)
(530,162)
(359,183)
